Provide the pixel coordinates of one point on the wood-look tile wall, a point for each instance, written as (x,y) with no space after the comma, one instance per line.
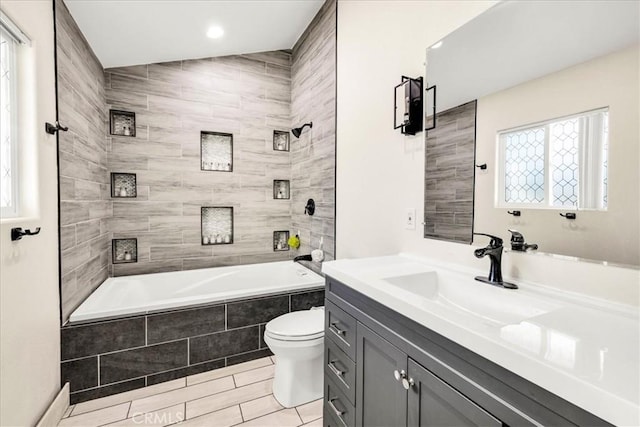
(313,95)
(84,194)
(449,175)
(247,96)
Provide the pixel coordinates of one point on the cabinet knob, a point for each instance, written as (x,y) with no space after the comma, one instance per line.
(407,383)
(399,375)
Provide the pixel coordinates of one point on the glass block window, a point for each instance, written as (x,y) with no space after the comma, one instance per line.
(559,163)
(217,225)
(216,151)
(524,166)
(8,122)
(564,140)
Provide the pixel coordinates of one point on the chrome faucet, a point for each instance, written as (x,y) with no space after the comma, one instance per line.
(494,252)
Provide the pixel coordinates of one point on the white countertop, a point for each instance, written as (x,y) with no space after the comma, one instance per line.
(584,350)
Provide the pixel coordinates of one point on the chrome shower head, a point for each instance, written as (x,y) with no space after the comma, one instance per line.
(297,131)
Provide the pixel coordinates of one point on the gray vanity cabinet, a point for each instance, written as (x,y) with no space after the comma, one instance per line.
(432,402)
(383,369)
(380,398)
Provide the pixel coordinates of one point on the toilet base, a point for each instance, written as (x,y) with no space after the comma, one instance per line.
(297,382)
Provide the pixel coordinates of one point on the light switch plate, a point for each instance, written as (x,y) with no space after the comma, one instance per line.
(410,219)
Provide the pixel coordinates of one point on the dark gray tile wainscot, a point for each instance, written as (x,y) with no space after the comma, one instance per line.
(112,356)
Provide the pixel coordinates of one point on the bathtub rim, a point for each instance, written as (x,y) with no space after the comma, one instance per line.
(199,304)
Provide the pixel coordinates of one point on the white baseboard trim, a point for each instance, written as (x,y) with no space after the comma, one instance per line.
(56,410)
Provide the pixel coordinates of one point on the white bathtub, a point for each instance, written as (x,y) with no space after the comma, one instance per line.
(128,295)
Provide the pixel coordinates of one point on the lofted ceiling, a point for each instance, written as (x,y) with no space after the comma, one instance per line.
(132,32)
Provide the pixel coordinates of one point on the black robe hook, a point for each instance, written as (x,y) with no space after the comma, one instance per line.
(51,129)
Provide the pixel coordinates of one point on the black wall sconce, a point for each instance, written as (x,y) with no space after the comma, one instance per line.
(407,106)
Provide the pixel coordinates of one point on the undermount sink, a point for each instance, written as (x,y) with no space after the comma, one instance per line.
(464,294)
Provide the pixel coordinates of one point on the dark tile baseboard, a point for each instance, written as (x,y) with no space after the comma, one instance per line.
(113,356)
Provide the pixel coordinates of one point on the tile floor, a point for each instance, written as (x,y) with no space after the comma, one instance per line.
(238,395)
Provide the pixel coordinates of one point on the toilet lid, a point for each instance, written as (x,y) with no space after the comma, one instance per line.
(299,325)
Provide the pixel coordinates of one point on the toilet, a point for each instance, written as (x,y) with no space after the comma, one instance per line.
(297,340)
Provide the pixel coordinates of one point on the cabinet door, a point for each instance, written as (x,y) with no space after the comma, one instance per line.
(433,402)
(380,398)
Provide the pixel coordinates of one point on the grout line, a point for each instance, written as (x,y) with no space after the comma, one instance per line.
(299,416)
(241,413)
(98,362)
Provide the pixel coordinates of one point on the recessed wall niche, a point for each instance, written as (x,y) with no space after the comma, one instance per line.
(281,189)
(280,241)
(124,251)
(216,225)
(123,185)
(122,123)
(280,140)
(216,151)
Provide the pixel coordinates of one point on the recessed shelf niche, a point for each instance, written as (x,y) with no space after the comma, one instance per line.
(280,239)
(216,225)
(280,140)
(281,189)
(123,185)
(122,123)
(124,251)
(216,151)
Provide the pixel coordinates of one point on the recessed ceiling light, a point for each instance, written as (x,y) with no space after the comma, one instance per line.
(215,32)
(437,45)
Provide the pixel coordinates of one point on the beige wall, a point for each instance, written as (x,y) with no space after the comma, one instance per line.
(612,81)
(380,173)
(29,314)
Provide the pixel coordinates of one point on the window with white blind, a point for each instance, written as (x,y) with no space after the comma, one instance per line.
(11,39)
(559,163)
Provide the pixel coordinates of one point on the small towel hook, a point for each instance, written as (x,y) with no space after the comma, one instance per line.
(51,129)
(568,215)
(482,166)
(514,213)
(17,233)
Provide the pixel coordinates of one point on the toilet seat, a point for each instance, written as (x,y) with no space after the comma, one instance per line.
(297,326)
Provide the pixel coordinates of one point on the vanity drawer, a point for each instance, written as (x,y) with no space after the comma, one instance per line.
(341,328)
(337,406)
(340,368)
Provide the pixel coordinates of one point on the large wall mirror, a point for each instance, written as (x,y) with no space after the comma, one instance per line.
(546,96)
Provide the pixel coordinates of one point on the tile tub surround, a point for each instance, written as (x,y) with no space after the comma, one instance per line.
(235,395)
(108,357)
(85,203)
(313,91)
(449,174)
(244,97)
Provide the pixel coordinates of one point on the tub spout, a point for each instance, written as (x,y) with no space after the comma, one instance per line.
(302,258)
